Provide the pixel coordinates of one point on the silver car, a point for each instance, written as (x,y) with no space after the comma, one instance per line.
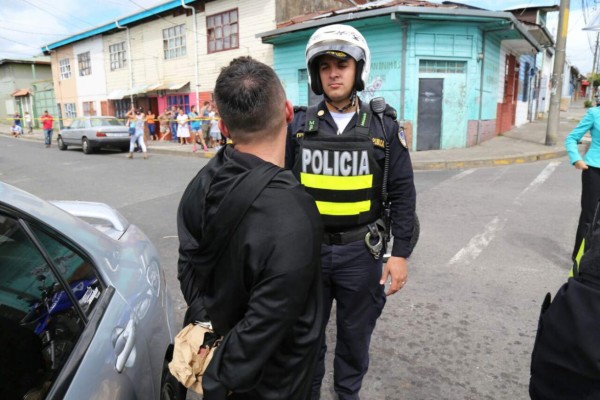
(92,133)
(84,308)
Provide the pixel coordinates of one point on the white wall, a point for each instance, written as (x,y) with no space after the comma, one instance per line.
(90,87)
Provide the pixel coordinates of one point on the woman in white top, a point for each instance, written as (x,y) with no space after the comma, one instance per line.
(215,132)
(183,127)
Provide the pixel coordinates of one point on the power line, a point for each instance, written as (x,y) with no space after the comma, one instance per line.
(57,16)
(33,33)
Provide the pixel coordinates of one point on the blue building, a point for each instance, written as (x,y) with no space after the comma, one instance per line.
(451,71)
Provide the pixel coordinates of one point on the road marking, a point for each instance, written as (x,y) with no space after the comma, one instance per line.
(541,178)
(478,242)
(461,175)
(170,237)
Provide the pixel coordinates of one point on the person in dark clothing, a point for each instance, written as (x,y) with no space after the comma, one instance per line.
(565,362)
(263,293)
(337,149)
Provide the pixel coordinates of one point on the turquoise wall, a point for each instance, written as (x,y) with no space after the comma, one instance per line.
(436,41)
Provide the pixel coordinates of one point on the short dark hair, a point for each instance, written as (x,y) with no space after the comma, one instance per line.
(250,99)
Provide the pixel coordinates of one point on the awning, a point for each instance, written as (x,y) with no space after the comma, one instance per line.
(21,92)
(116,94)
(171,85)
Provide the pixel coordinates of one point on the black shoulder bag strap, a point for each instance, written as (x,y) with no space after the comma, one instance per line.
(232,210)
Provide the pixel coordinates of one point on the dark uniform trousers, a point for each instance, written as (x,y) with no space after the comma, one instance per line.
(590,193)
(351,276)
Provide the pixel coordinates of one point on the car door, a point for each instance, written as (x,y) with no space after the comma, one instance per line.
(71,133)
(77,337)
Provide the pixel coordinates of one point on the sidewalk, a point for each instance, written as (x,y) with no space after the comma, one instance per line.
(519,145)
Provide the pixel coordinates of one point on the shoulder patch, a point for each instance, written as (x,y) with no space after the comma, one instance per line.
(402,137)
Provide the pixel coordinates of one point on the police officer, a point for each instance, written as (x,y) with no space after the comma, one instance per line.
(337,150)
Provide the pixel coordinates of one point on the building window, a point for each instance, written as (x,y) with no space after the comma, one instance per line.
(222,31)
(65,68)
(89,108)
(443,67)
(182,101)
(70,110)
(118,56)
(85,64)
(122,107)
(174,42)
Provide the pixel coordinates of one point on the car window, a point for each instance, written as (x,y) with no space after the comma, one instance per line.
(94,122)
(39,326)
(106,122)
(75,124)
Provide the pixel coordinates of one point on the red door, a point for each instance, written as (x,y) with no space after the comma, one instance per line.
(507,110)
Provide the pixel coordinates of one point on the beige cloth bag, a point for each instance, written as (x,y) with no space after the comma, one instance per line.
(190,358)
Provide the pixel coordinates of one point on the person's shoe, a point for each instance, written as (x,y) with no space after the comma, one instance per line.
(145,156)
(130,155)
(205,148)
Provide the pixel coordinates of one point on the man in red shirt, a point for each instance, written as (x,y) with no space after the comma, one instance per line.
(47,124)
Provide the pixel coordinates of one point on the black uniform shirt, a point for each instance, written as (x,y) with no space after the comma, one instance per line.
(401,188)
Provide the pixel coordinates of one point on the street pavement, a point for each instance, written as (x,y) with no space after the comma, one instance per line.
(522,144)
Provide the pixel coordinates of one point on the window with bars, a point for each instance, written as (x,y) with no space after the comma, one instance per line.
(70,110)
(89,108)
(182,101)
(174,42)
(222,31)
(442,66)
(85,63)
(121,107)
(118,56)
(65,68)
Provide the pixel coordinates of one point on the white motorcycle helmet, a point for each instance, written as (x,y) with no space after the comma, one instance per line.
(333,39)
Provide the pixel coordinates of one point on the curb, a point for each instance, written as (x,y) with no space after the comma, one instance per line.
(490,162)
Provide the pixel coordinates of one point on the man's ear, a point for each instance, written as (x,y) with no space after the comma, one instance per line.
(289,112)
(223,129)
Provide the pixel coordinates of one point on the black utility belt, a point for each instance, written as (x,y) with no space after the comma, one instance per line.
(349,236)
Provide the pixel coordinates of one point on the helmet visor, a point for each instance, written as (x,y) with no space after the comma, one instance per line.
(340,51)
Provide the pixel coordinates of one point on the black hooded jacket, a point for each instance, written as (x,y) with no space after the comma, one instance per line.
(264,293)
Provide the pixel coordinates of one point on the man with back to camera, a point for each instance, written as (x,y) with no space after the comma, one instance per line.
(337,150)
(262,291)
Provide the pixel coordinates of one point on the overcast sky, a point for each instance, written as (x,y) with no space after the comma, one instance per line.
(27,25)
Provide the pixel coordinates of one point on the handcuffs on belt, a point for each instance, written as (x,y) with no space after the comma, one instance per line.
(376,248)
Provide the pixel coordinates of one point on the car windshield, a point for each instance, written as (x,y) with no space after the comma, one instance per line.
(105,122)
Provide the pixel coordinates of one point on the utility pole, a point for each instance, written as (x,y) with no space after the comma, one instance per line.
(591,85)
(558,73)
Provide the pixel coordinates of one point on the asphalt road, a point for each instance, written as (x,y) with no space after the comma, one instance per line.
(493,242)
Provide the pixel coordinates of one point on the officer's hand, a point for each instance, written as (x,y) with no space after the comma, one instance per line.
(580,165)
(396,268)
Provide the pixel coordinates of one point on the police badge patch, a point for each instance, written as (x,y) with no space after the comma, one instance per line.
(402,137)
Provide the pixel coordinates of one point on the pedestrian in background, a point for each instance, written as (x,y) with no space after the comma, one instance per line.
(183,127)
(173,113)
(17,118)
(163,122)
(138,118)
(47,126)
(150,121)
(215,132)
(28,123)
(590,171)
(205,117)
(258,286)
(196,130)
